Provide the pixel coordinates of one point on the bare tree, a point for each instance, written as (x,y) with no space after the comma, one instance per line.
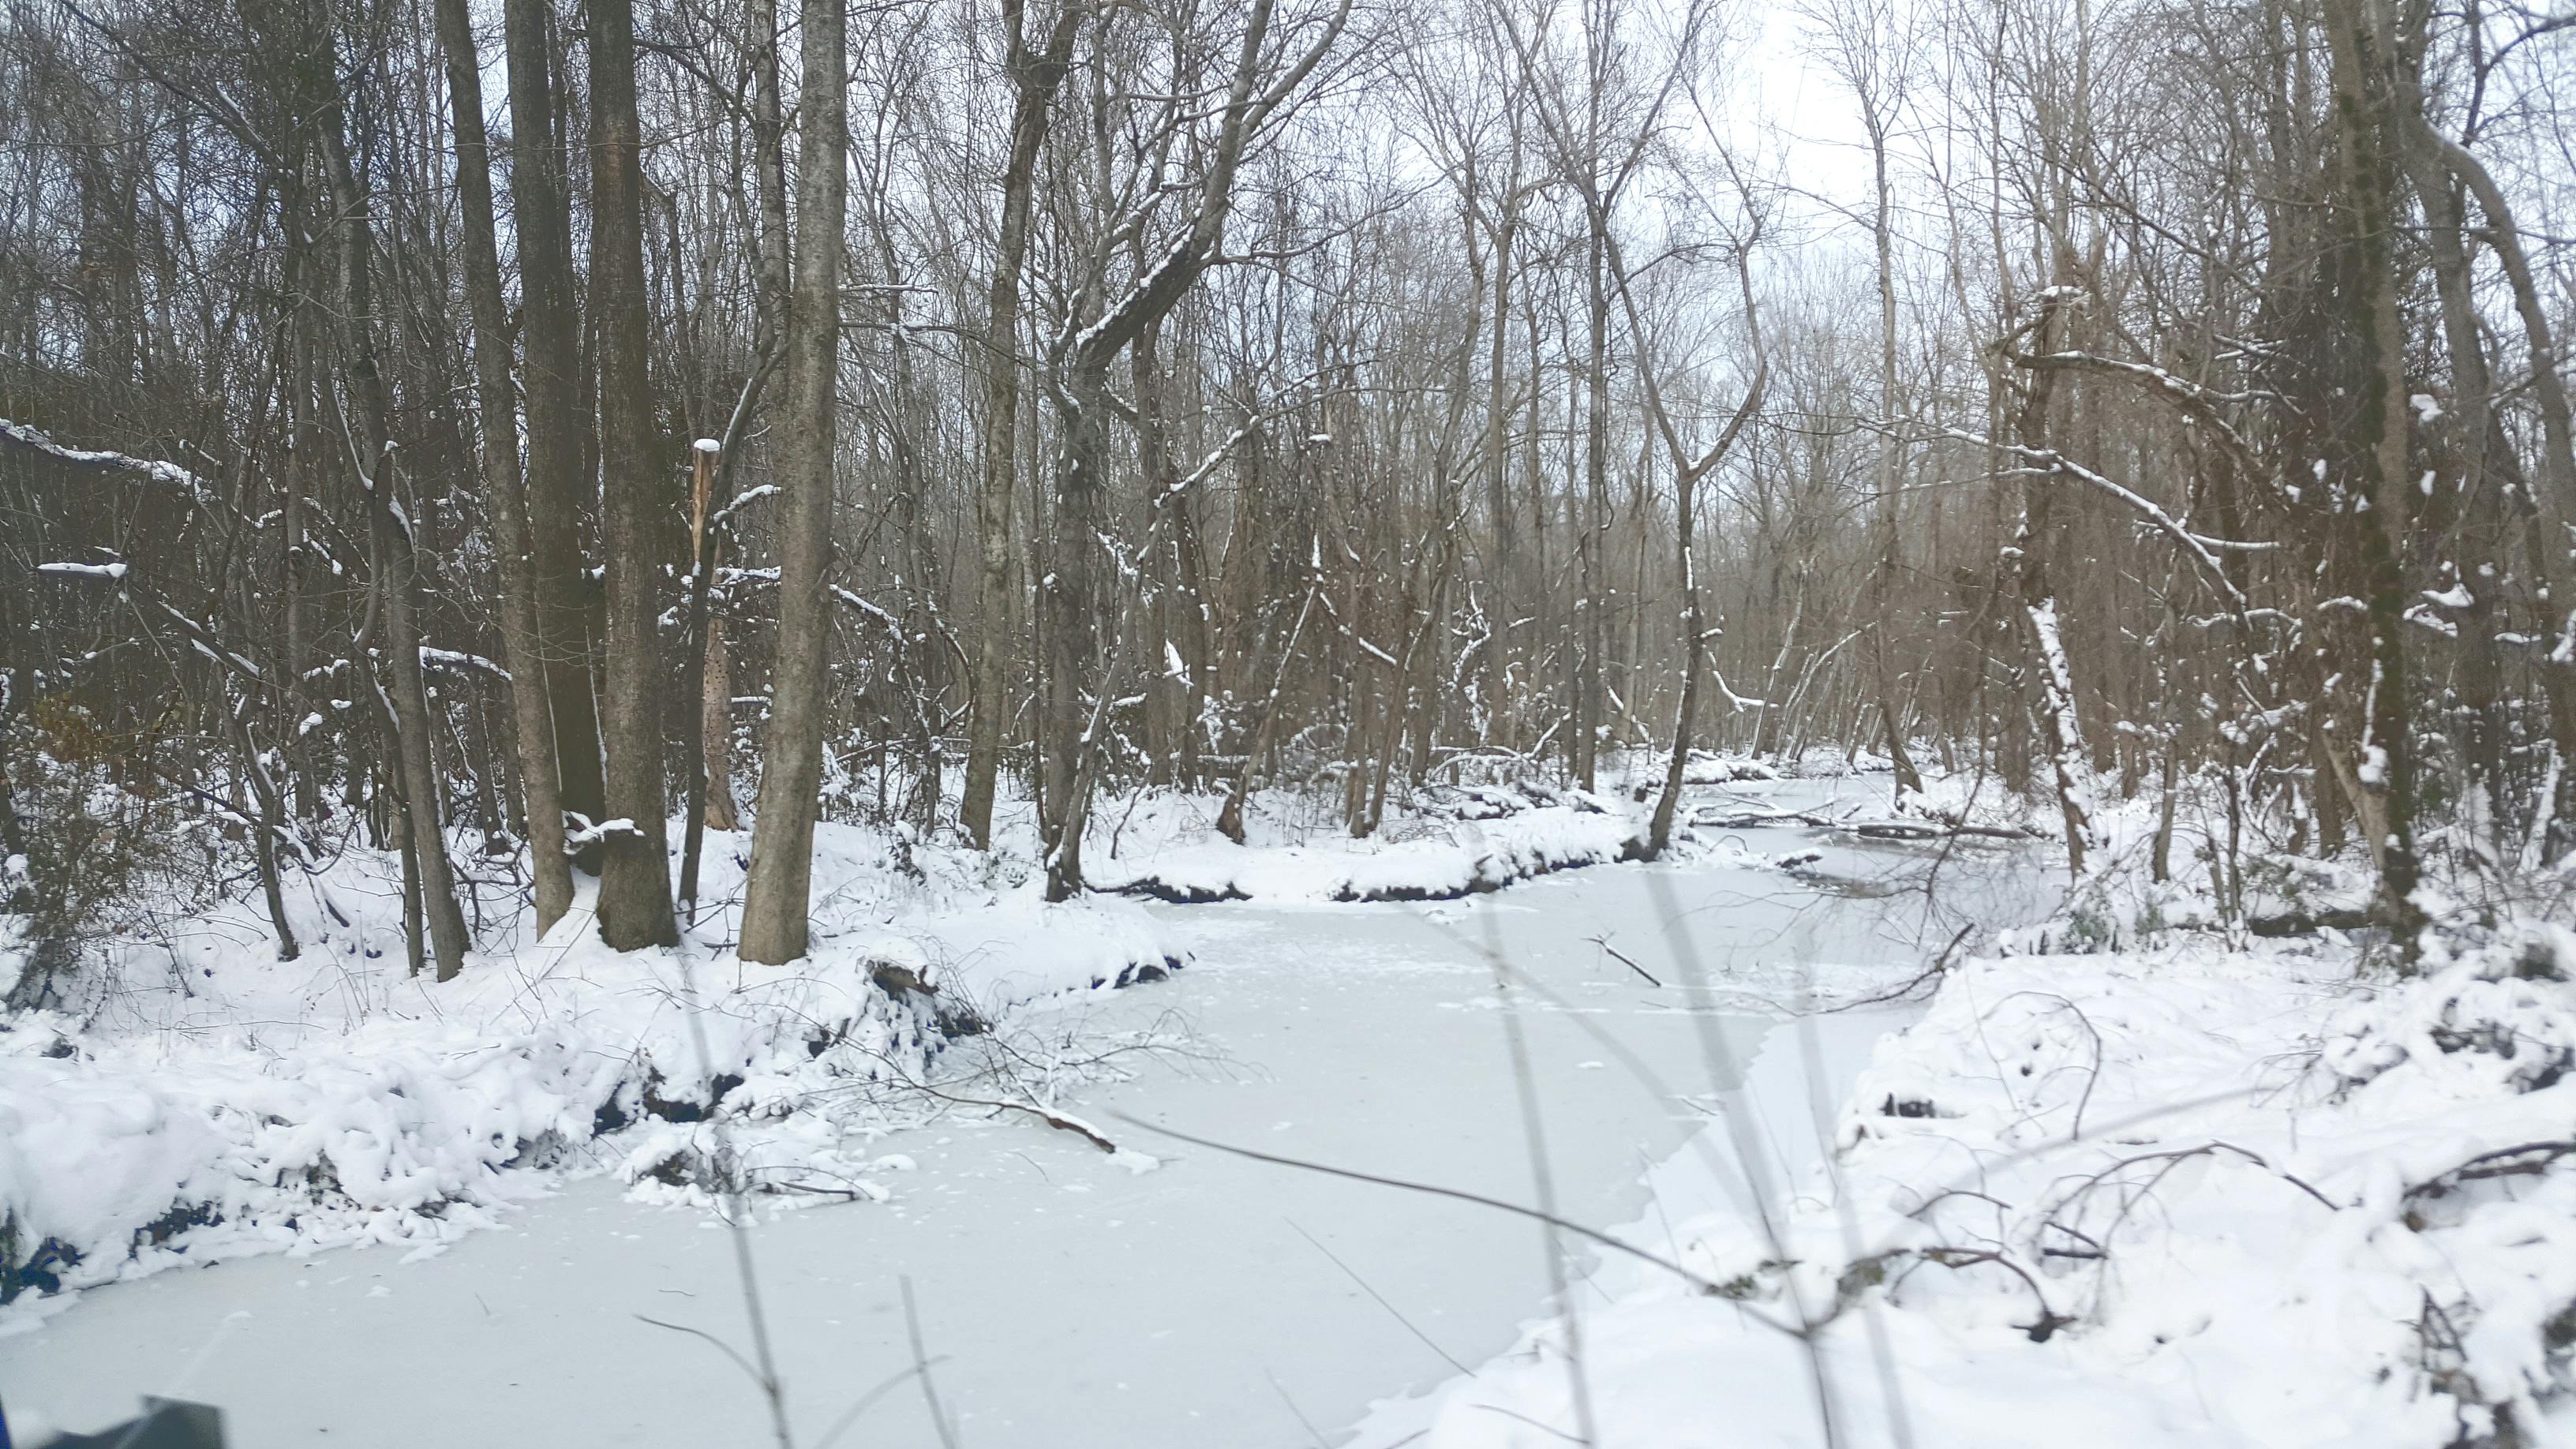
(778,890)
(635,877)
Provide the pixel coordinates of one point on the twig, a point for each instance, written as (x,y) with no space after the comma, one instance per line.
(1391,1309)
(921,1366)
(1294,1412)
(723,1347)
(1052,1119)
(1588,1234)
(884,1386)
(2049,1319)
(1533,1423)
(1940,966)
(2477,1168)
(1616,955)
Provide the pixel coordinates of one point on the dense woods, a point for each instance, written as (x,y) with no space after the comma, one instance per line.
(522,437)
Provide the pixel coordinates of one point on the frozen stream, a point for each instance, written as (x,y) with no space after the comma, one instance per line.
(1066,1302)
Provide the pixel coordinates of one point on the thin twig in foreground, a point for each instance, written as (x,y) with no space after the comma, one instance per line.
(1588,1234)
(1391,1309)
(921,1366)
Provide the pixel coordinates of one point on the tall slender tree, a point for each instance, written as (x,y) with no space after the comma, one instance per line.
(779,889)
(635,875)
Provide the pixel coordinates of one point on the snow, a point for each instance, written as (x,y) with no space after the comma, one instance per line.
(2129,1177)
(1070,1300)
(2147,1198)
(167,474)
(454,659)
(247,1106)
(1471,857)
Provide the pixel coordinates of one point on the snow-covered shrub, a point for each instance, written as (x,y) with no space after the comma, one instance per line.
(2489,1012)
(105,848)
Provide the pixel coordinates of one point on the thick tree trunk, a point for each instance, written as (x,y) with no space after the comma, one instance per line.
(2060,729)
(635,876)
(557,406)
(1070,601)
(2385,770)
(549,872)
(1034,77)
(778,891)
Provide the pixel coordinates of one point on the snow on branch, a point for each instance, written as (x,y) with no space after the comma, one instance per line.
(581,834)
(169,475)
(741,501)
(2199,549)
(864,607)
(1208,464)
(451,659)
(2198,405)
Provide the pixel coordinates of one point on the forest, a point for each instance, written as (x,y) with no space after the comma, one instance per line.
(564,430)
(731,478)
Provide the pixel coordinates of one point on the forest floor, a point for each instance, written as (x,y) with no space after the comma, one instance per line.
(2181,1192)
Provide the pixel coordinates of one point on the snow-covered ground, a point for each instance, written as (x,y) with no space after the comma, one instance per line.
(2185,1188)
(1069,1297)
(2178,1195)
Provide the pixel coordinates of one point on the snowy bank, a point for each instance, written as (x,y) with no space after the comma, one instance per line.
(2182,1195)
(1444,843)
(1467,857)
(196,1099)
(227,1103)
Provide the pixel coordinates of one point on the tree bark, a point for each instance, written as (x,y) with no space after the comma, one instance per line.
(558,489)
(390,545)
(778,891)
(1034,78)
(635,875)
(2385,770)
(550,873)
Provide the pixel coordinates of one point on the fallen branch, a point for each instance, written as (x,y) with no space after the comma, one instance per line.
(2303,923)
(2522,1161)
(1616,955)
(1056,1120)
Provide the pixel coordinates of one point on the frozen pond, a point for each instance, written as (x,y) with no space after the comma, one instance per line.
(1064,1301)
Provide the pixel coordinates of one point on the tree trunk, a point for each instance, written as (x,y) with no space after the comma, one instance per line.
(1034,78)
(715,730)
(549,872)
(2059,726)
(635,876)
(2385,771)
(1883,511)
(707,737)
(778,891)
(558,489)
(390,545)
(1588,700)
